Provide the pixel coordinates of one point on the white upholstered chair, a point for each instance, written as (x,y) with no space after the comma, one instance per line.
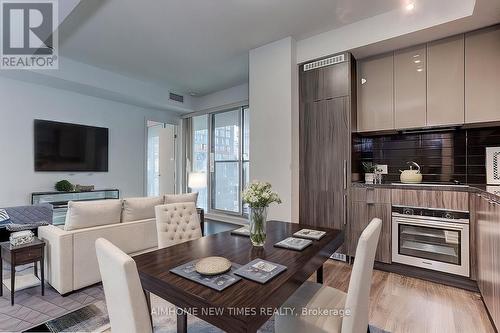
(177,223)
(315,296)
(125,299)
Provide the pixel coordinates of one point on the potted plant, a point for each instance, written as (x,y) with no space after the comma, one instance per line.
(258,196)
(64,186)
(370,168)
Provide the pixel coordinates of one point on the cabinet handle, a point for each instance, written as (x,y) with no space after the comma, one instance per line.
(345,174)
(344,203)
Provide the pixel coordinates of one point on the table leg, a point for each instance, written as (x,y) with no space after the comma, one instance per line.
(319,275)
(181,322)
(12,282)
(35,268)
(42,274)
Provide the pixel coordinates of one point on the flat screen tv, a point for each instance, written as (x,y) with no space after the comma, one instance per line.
(70,147)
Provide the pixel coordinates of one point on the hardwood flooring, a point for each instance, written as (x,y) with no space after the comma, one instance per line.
(404,304)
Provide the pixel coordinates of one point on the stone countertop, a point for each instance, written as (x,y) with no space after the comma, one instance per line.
(484,190)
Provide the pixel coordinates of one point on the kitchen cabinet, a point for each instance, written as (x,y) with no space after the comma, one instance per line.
(488,254)
(450,200)
(445,82)
(410,102)
(482,75)
(311,86)
(367,204)
(324,143)
(325,127)
(376,93)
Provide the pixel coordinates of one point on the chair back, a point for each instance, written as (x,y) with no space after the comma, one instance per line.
(177,223)
(127,308)
(358,295)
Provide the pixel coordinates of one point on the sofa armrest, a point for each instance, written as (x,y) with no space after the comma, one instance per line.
(58,257)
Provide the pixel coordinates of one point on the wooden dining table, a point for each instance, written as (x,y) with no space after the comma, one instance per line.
(246,305)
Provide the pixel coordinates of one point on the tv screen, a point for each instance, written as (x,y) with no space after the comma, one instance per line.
(70,147)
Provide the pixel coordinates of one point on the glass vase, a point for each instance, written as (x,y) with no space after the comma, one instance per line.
(258,217)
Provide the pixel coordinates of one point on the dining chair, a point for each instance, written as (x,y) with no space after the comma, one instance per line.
(311,297)
(125,300)
(177,223)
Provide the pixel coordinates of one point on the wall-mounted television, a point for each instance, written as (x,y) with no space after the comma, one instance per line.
(70,147)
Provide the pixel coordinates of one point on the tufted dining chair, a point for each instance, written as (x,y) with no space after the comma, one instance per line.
(177,223)
(316,296)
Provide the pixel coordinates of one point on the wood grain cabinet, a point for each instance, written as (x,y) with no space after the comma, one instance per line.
(410,104)
(431,199)
(482,75)
(326,112)
(488,254)
(367,204)
(445,82)
(376,93)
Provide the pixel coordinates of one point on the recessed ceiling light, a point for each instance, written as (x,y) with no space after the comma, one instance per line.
(410,6)
(417,61)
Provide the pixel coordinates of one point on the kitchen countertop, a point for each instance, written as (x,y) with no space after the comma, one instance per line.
(473,188)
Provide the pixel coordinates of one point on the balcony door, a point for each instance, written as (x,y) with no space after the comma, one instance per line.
(221,148)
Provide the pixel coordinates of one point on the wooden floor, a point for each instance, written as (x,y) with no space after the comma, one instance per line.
(404,304)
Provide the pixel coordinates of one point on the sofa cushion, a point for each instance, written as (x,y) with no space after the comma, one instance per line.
(85,214)
(130,237)
(178,198)
(135,209)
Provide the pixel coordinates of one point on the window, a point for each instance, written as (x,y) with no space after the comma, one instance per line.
(221,146)
(200,154)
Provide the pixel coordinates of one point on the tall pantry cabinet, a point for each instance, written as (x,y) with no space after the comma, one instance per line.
(327,116)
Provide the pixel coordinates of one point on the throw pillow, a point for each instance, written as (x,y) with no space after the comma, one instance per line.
(4,217)
(178,198)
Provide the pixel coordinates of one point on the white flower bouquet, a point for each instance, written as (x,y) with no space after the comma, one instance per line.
(258,196)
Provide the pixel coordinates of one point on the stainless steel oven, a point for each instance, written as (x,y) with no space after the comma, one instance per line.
(431,238)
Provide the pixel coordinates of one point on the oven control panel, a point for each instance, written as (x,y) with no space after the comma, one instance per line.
(427,212)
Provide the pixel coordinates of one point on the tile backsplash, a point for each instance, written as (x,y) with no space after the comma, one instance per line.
(443,156)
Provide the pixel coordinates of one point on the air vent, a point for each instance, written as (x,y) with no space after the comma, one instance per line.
(176,97)
(324,62)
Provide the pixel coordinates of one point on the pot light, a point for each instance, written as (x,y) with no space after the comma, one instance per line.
(410,7)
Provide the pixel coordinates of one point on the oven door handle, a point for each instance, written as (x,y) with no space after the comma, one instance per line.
(435,225)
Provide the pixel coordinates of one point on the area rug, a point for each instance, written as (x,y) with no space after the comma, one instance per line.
(94,318)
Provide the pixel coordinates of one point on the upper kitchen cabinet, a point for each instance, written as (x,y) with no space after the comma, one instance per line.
(336,80)
(482,75)
(445,82)
(410,102)
(310,83)
(376,94)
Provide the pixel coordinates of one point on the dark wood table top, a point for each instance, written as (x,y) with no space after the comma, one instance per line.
(245,295)
(10,247)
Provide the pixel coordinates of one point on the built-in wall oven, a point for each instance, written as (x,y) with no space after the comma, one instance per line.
(431,238)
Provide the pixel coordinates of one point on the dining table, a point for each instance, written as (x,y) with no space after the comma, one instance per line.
(246,305)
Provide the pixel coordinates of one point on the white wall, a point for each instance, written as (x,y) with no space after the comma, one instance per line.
(398,22)
(21,103)
(273,93)
(236,94)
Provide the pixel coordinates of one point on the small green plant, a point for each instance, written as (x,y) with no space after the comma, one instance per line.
(369,167)
(64,186)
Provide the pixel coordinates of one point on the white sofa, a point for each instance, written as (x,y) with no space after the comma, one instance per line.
(70,256)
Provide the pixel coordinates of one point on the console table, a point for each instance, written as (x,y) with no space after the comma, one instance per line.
(59,200)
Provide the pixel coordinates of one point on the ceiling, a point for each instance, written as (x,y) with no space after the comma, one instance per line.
(196,46)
